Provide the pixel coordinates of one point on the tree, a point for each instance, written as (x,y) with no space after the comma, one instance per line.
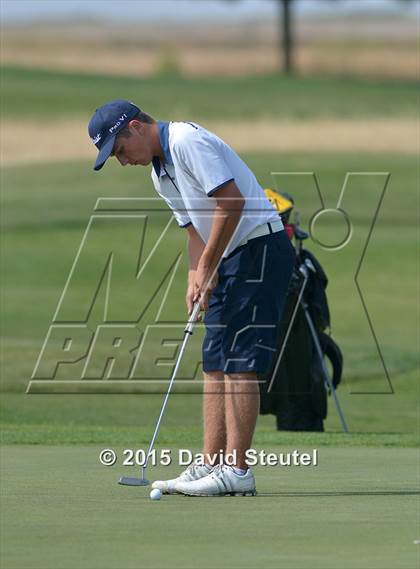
(287,37)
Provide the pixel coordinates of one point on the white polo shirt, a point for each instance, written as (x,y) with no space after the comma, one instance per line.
(197,164)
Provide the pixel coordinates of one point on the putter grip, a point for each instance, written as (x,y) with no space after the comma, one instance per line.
(192,318)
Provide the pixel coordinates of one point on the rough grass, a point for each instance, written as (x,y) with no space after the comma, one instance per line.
(32,141)
(46,209)
(374,420)
(59,94)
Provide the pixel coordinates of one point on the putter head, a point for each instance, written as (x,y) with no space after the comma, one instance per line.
(127,481)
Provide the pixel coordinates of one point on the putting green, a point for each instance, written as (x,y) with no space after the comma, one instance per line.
(357,509)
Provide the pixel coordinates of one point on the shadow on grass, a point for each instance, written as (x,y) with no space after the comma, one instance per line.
(339,493)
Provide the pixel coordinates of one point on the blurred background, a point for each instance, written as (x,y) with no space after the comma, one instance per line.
(213,60)
(298,88)
(324,86)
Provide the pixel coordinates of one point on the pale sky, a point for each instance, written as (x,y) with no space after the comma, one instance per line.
(25,11)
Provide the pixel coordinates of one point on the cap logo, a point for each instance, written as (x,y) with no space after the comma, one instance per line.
(118,123)
(97,138)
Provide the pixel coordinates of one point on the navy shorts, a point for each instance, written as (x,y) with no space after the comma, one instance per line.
(246,306)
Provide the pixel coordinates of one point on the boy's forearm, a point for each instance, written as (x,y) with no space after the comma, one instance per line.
(204,258)
(224,225)
(195,249)
(227,215)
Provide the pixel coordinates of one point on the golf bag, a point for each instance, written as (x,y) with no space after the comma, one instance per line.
(295,389)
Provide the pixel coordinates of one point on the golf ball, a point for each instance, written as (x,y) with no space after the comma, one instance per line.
(155,494)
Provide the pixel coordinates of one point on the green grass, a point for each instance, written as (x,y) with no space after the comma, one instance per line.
(357,509)
(62,509)
(56,94)
(46,209)
(374,420)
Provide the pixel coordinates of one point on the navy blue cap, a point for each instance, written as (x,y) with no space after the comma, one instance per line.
(106,123)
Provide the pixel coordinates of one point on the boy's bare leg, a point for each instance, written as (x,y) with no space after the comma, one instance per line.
(214,414)
(242,402)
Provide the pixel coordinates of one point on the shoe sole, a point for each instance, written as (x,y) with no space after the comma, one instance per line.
(248,493)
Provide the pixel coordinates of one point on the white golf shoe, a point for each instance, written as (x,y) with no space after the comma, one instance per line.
(222,481)
(193,472)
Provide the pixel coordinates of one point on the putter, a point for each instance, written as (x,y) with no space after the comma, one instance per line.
(142,481)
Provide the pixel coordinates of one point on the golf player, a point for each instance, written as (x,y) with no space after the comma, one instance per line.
(240,264)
